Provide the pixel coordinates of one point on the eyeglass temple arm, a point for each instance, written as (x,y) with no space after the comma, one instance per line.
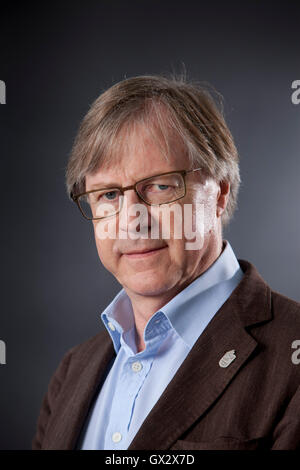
(195,169)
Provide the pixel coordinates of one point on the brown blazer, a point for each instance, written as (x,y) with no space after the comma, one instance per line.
(253,403)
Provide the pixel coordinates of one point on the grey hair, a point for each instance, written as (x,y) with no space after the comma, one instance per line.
(167,107)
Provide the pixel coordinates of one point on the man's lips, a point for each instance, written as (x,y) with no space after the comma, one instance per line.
(144,253)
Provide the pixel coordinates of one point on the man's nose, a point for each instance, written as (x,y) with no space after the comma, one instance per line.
(130,211)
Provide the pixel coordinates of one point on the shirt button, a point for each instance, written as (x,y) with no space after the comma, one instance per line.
(116,437)
(136,366)
(111,326)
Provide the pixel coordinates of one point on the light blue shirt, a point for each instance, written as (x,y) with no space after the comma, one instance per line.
(136,380)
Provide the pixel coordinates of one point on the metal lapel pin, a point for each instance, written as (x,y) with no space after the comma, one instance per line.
(227,359)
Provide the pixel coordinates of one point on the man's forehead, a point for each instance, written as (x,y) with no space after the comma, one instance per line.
(144,140)
(140,156)
(126,175)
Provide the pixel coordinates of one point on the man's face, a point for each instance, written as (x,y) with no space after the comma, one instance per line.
(169,267)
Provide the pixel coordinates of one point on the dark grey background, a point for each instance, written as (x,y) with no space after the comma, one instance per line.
(56,59)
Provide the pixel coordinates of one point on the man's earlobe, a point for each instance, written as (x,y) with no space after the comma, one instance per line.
(222,199)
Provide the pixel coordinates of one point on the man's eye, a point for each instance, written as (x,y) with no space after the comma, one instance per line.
(109,196)
(163,186)
(157,187)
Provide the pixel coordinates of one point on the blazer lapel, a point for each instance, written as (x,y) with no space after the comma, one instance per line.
(76,397)
(201,380)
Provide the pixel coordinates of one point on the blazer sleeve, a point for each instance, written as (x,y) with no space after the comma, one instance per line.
(286,435)
(49,400)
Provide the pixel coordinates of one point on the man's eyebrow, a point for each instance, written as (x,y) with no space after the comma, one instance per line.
(104,185)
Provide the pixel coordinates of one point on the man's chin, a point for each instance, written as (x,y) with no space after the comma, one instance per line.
(146,288)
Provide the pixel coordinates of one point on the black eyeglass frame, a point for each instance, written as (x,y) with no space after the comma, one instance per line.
(122,189)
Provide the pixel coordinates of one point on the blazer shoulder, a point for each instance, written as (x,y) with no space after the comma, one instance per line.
(285,308)
(84,358)
(280,337)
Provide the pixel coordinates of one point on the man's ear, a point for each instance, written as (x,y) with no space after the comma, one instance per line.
(222,198)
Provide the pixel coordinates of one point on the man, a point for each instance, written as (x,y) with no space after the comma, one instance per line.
(197,350)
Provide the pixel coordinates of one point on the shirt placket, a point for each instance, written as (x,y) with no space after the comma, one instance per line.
(130,382)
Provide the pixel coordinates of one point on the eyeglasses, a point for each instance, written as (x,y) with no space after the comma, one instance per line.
(153,191)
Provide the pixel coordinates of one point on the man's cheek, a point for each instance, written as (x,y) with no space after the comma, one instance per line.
(105,253)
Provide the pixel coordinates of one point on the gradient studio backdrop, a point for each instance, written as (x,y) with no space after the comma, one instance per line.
(55,60)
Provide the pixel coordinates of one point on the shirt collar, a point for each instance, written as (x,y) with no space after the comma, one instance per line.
(118,316)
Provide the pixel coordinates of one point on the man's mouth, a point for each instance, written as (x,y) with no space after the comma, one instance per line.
(144,253)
